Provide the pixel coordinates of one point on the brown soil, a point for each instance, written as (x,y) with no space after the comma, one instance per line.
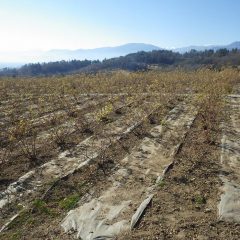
(11,172)
(185,202)
(185,207)
(91,179)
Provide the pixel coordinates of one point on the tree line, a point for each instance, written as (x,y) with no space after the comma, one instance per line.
(133,62)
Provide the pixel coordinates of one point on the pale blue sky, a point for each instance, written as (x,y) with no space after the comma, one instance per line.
(72,24)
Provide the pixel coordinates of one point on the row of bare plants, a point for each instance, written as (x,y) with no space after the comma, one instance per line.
(31,98)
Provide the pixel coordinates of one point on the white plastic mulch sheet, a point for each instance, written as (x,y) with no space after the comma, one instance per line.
(229,206)
(130,189)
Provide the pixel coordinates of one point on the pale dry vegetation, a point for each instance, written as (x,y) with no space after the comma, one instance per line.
(42,118)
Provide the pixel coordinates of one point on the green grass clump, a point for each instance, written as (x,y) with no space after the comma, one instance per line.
(41,207)
(69,202)
(200,199)
(161,183)
(11,236)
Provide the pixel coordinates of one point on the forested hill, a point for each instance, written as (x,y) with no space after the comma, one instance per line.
(51,68)
(133,62)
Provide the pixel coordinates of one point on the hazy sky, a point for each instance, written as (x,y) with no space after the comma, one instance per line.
(72,24)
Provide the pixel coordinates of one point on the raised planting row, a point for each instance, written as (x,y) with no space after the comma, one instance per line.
(199,197)
(131,186)
(132,158)
(65,135)
(73,159)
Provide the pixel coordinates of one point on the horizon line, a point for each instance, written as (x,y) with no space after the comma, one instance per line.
(119,45)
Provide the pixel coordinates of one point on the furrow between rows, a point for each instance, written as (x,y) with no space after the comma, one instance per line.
(132,185)
(73,159)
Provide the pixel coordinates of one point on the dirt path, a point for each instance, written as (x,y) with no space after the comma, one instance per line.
(131,186)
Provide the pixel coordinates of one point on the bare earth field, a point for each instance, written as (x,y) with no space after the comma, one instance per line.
(147,155)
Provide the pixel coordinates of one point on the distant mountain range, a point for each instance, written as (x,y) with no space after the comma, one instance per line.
(213,47)
(15,59)
(80,54)
(100,53)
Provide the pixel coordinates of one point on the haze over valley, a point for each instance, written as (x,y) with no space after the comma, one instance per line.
(18,58)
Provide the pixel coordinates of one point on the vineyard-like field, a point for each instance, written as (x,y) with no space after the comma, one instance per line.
(147,155)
